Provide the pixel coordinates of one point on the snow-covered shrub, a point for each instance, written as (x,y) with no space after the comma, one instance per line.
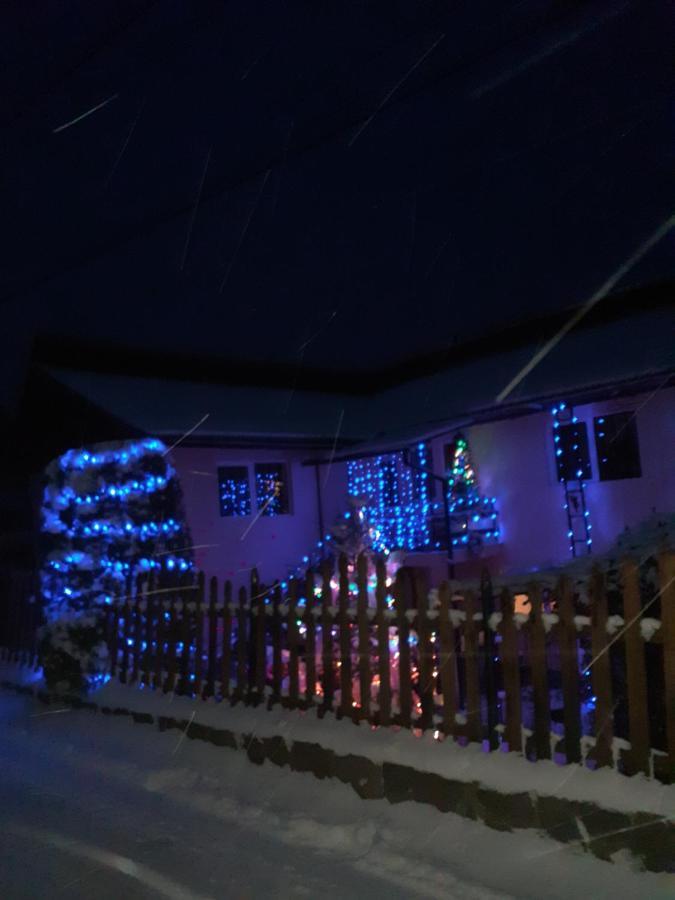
(109,512)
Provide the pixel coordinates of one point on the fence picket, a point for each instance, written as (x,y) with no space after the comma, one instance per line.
(173,633)
(637,758)
(213,638)
(364,636)
(138,628)
(539,669)
(126,639)
(569,670)
(344,639)
(474,727)
(327,680)
(402,603)
(511,668)
(292,632)
(113,646)
(242,646)
(226,650)
(601,672)
(667,599)
(425,653)
(187,597)
(276,647)
(383,662)
(200,626)
(447,661)
(260,635)
(310,640)
(147,633)
(160,638)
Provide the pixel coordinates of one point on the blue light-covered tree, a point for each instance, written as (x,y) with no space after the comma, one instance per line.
(109,513)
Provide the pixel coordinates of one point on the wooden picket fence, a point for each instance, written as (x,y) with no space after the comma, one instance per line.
(394,659)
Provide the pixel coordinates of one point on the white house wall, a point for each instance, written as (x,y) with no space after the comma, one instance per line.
(272,543)
(515,463)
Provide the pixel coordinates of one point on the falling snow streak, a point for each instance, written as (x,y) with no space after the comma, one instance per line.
(611,282)
(437,255)
(310,340)
(254,64)
(332,452)
(124,146)
(184,549)
(242,236)
(653,394)
(187,434)
(184,732)
(84,114)
(543,54)
(261,512)
(193,215)
(391,93)
(621,633)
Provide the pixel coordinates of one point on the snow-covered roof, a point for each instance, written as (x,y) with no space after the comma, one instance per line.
(620,357)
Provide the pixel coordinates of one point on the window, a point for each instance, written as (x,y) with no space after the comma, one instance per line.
(572,458)
(271,489)
(234,491)
(616,443)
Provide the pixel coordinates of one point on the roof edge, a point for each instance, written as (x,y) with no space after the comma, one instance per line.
(599,391)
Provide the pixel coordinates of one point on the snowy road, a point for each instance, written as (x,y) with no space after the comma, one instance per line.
(91,806)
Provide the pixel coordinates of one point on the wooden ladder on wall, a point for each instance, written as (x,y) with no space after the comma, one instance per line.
(578,525)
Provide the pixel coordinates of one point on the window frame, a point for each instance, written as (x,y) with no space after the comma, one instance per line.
(561,472)
(633,462)
(242,468)
(286,492)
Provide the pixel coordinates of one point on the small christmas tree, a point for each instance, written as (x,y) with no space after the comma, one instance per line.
(473,516)
(109,513)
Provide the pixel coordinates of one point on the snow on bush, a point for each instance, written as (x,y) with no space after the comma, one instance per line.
(109,512)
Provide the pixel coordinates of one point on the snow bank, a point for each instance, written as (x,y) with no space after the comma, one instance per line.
(508,773)
(199,811)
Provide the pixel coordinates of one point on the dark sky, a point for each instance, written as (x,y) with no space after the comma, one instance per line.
(344,185)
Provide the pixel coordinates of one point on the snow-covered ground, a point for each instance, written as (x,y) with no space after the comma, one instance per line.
(97,806)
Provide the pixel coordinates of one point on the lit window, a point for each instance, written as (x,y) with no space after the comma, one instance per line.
(616,443)
(271,489)
(234,492)
(573,461)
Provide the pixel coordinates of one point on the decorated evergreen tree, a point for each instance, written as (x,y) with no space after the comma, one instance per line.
(109,512)
(473,516)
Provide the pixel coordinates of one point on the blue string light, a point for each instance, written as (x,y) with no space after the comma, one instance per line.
(570,461)
(270,489)
(234,492)
(396,499)
(96,515)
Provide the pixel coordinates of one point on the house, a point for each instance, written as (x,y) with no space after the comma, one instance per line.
(580,451)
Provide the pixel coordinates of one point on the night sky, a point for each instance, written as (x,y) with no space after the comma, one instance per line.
(337,186)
